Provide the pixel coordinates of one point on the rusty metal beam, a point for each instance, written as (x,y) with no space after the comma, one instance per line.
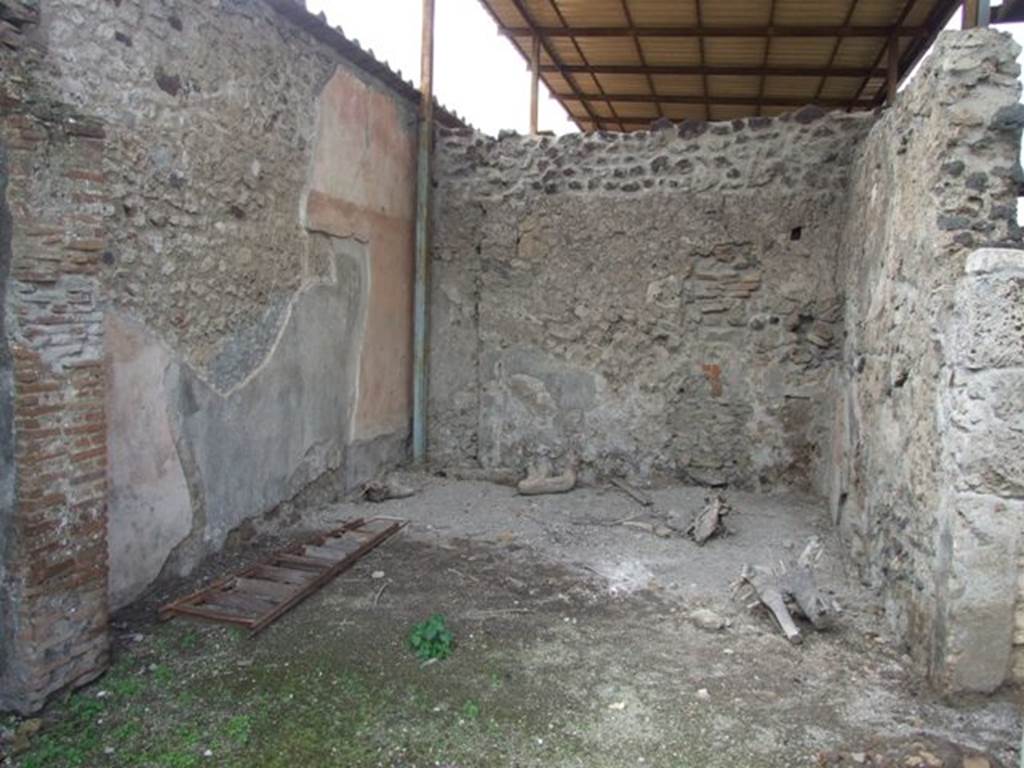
(764,61)
(576,45)
(640,52)
(534,85)
(829,69)
(936,21)
(776,101)
(703,60)
(548,50)
(892,77)
(710,69)
(706,31)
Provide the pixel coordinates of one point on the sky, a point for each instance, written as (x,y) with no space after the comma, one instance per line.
(477,72)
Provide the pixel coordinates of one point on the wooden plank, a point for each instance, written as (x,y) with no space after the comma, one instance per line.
(248,605)
(303,562)
(327,554)
(281,575)
(209,614)
(346,545)
(272,589)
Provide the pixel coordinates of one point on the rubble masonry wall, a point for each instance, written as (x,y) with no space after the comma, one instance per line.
(766,303)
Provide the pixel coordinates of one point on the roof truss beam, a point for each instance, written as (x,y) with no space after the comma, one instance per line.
(705,31)
(696,69)
(773,101)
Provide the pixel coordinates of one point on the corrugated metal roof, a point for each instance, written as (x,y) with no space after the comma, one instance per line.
(316,25)
(619,64)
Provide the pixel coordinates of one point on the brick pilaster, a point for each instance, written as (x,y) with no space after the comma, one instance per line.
(55,551)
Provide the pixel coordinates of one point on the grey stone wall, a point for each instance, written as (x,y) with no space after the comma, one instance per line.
(935,178)
(660,303)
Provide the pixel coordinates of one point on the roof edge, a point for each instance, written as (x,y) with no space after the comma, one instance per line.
(316,25)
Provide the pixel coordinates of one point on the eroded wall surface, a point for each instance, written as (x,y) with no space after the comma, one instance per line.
(921,495)
(212,245)
(659,303)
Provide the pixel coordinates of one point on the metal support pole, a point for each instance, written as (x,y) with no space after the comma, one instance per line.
(892,80)
(534,84)
(421,315)
(970,15)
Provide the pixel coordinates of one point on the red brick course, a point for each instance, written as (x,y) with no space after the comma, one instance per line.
(57,566)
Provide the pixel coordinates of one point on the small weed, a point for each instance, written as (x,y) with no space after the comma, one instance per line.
(431,639)
(471,710)
(126,732)
(239,729)
(163,675)
(189,641)
(177,759)
(123,687)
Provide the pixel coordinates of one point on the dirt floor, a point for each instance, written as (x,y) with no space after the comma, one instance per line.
(575,646)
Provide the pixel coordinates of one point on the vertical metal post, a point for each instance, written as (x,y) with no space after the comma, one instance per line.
(970,17)
(977,13)
(421,315)
(534,84)
(892,80)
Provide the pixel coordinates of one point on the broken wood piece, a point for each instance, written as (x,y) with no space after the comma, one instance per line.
(710,520)
(769,594)
(637,495)
(792,586)
(539,480)
(496,475)
(383,490)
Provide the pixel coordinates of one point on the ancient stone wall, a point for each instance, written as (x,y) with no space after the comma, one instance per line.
(765,303)
(657,303)
(916,491)
(210,256)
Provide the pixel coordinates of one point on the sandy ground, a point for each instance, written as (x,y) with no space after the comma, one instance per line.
(575,647)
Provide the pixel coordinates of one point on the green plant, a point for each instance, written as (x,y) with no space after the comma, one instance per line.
(239,729)
(163,675)
(431,639)
(471,710)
